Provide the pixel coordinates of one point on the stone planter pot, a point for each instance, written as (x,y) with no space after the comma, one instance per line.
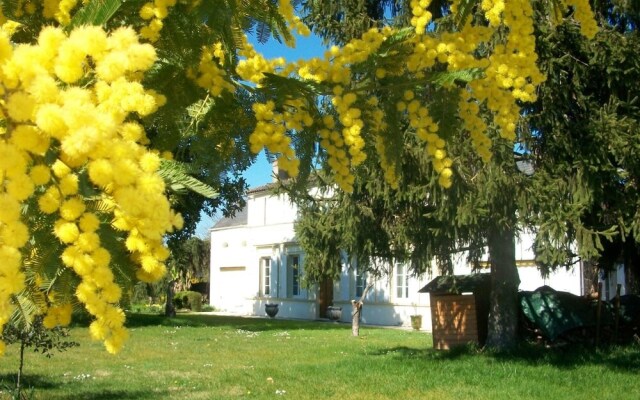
(334,313)
(271,309)
(416,322)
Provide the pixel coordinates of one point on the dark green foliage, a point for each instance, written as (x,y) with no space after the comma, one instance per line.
(584,139)
(580,138)
(141,293)
(189,261)
(188,299)
(95,13)
(40,339)
(340,21)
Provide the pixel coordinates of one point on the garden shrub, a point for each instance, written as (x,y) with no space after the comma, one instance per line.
(188,299)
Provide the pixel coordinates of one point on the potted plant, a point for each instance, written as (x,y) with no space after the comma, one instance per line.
(334,313)
(271,309)
(416,319)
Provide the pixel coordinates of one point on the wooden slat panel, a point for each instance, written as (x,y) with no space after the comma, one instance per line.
(454,320)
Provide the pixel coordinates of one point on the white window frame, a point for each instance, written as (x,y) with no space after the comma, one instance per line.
(266,276)
(294,271)
(401,281)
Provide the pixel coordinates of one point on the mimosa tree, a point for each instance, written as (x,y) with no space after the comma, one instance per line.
(98,94)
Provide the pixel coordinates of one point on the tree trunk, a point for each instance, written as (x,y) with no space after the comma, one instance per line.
(631,253)
(170,308)
(20,367)
(356,312)
(355,317)
(503,303)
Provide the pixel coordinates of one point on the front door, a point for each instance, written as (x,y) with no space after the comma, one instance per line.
(325,297)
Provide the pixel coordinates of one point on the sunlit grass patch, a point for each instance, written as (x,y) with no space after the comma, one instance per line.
(213,357)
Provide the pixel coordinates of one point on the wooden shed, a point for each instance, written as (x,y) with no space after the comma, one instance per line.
(459,309)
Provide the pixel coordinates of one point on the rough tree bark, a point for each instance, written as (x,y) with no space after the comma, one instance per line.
(170,308)
(20,368)
(503,303)
(356,312)
(631,254)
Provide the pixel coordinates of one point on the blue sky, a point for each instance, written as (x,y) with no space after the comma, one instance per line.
(260,172)
(306,47)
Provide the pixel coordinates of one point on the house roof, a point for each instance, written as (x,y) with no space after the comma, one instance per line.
(457,284)
(263,188)
(240,218)
(237,220)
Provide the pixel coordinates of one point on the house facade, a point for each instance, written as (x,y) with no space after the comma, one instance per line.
(255,259)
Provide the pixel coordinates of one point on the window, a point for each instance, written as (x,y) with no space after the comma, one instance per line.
(361,282)
(293,269)
(265,273)
(402,281)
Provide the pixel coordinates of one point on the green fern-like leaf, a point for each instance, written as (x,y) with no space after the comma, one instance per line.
(263,32)
(176,175)
(446,78)
(288,87)
(96,12)
(25,310)
(465,8)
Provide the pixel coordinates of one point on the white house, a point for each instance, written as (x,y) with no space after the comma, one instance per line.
(255,259)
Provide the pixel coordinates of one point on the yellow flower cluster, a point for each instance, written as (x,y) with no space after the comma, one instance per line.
(24,7)
(390,175)
(154,12)
(454,6)
(421,16)
(510,76)
(92,130)
(211,74)
(60,10)
(584,15)
(344,143)
(512,73)
(350,118)
(493,11)
(427,131)
(271,132)
(469,112)
(376,117)
(356,51)
(254,65)
(337,159)
(14,234)
(295,23)
(316,69)
(58,316)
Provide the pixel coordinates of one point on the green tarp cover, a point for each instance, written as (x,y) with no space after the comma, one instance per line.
(555,312)
(630,310)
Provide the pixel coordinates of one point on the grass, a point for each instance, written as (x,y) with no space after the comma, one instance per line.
(215,357)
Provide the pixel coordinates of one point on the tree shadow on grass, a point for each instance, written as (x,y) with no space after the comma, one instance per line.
(135,320)
(38,385)
(620,358)
(8,381)
(119,394)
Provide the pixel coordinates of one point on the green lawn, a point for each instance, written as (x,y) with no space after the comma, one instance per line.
(214,357)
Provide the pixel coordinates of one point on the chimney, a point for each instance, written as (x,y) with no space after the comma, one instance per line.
(277,174)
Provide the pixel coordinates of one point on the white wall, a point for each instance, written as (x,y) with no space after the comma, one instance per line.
(269,233)
(267,210)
